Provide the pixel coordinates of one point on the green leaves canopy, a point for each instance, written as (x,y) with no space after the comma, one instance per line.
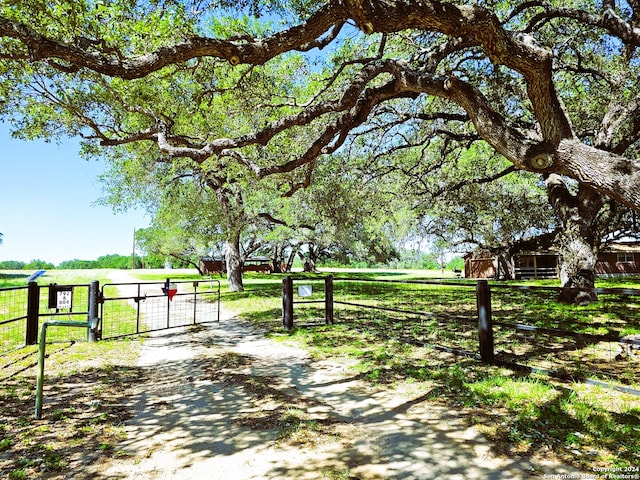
(551,87)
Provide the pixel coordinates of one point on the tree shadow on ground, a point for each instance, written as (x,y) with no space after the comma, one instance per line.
(245,408)
(523,414)
(81,419)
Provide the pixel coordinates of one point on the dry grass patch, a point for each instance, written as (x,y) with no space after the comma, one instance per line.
(84,408)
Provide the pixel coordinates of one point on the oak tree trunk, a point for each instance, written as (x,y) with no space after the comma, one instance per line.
(234,262)
(277,259)
(577,213)
(577,269)
(505,266)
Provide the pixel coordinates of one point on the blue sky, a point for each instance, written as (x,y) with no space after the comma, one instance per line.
(47,209)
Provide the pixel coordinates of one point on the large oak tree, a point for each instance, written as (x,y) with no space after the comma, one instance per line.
(550,86)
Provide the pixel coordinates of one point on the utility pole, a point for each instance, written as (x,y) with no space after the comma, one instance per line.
(133,251)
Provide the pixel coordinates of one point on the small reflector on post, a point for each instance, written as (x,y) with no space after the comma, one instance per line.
(305,291)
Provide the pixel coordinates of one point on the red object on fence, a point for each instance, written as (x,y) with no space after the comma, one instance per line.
(170,289)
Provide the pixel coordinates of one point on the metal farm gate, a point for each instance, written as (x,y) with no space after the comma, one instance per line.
(133,308)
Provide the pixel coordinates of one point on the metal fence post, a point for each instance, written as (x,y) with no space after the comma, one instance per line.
(92,316)
(485,322)
(195,301)
(40,376)
(287,303)
(328,300)
(33,312)
(166,292)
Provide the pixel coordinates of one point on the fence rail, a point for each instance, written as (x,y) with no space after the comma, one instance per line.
(23,308)
(118,309)
(521,326)
(13,317)
(134,308)
(536,272)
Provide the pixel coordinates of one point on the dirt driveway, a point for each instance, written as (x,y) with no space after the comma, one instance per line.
(221,401)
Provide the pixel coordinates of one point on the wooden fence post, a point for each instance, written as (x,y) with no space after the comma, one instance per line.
(287,303)
(328,300)
(485,322)
(33,312)
(92,314)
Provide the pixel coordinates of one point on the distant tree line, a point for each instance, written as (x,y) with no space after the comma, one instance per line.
(421,260)
(32,265)
(112,261)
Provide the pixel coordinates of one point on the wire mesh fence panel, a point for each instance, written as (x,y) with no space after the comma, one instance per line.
(421,313)
(534,329)
(72,306)
(531,327)
(132,308)
(121,317)
(127,309)
(309,302)
(207,305)
(541,307)
(13,315)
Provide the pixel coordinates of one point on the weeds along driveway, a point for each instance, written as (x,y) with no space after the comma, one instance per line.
(220,401)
